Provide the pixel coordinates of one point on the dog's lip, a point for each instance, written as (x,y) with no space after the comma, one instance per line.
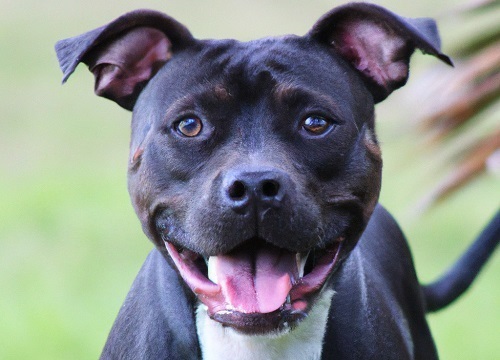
(190,272)
(301,290)
(313,282)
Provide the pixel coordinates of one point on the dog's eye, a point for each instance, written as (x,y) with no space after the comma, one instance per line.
(316,125)
(190,126)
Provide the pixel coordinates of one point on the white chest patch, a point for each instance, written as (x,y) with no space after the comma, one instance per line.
(305,342)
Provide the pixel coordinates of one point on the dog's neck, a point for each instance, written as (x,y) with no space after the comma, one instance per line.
(304,342)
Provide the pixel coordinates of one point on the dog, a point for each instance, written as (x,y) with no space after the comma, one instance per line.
(255,170)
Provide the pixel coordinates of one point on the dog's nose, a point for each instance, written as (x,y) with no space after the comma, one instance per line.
(259,189)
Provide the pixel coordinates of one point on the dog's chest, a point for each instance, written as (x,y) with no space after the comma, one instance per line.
(305,342)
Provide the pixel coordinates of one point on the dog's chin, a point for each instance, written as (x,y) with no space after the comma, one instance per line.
(257,288)
(279,321)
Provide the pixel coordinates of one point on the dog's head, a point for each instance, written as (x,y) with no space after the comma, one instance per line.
(254,166)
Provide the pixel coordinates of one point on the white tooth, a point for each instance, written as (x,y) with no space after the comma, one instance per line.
(212,273)
(301,262)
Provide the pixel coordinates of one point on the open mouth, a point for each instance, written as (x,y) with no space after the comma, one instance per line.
(257,287)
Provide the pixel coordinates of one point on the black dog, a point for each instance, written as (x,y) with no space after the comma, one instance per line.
(255,170)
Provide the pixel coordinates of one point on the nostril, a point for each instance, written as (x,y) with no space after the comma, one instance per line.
(237,190)
(270,188)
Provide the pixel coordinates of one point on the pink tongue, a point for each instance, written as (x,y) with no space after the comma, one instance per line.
(256,280)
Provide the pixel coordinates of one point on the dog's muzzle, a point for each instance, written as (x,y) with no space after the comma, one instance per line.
(262,281)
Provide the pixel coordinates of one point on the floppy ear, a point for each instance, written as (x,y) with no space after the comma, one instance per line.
(377,43)
(125,54)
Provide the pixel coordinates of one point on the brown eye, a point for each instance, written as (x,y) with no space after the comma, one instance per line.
(316,125)
(190,126)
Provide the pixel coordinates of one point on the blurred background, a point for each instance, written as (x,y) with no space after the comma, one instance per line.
(70,244)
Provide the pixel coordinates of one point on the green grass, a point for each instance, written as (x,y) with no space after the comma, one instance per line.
(70,242)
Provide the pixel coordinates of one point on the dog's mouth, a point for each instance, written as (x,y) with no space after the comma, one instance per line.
(257,287)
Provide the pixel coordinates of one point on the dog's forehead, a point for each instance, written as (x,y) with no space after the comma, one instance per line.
(214,69)
(268,61)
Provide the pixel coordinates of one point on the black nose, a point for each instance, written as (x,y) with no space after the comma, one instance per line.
(258,189)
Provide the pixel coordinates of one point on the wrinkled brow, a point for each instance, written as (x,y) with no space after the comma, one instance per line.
(285,93)
(295,95)
(204,96)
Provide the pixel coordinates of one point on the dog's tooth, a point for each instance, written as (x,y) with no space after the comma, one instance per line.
(301,262)
(212,274)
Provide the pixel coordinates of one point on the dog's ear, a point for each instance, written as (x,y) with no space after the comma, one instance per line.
(125,54)
(377,43)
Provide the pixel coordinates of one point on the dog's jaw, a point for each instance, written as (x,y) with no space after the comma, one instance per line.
(258,288)
(305,342)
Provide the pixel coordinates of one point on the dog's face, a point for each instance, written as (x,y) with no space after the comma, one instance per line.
(254,166)
(262,164)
